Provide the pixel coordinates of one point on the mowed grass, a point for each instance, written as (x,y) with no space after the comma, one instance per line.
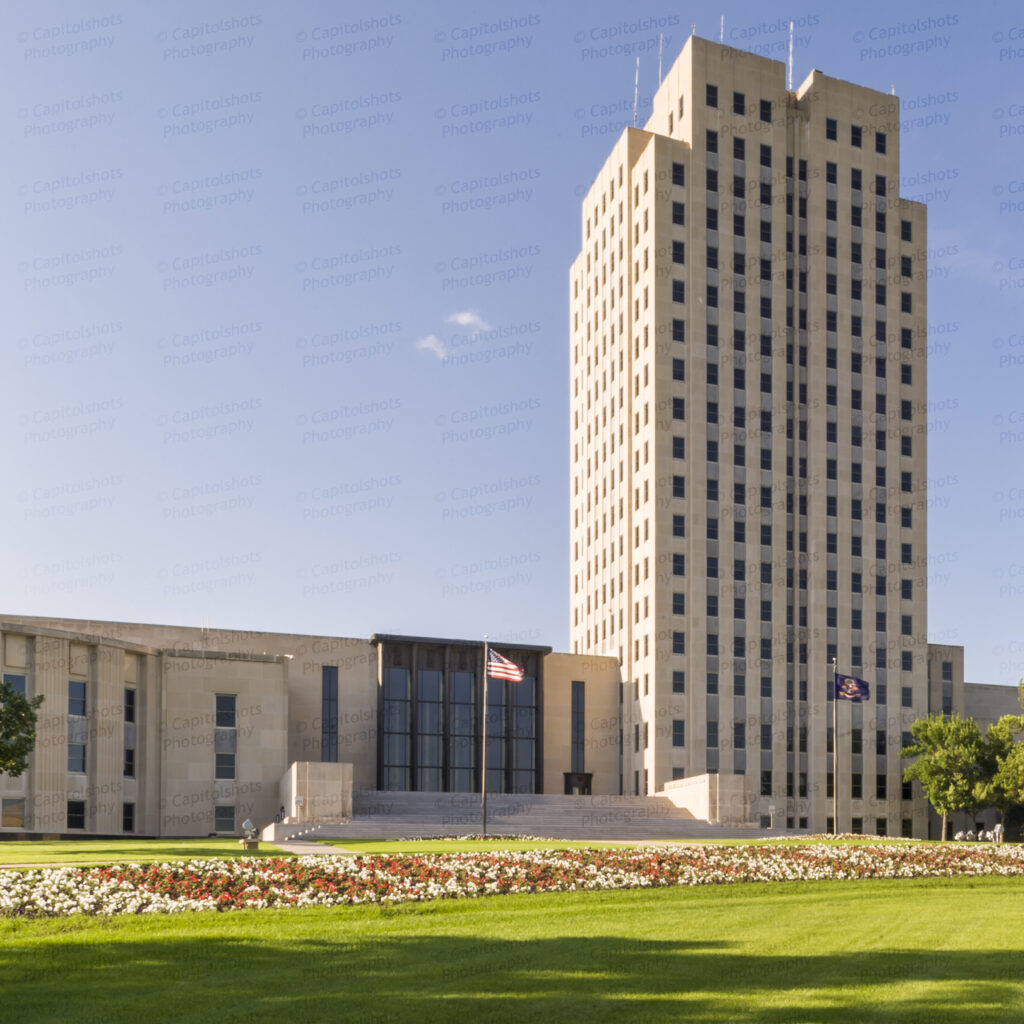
(122,851)
(832,952)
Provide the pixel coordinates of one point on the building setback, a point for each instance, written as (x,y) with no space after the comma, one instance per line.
(748,416)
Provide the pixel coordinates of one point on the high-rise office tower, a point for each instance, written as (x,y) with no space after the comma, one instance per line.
(748,415)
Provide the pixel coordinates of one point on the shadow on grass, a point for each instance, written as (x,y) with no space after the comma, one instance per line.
(256,976)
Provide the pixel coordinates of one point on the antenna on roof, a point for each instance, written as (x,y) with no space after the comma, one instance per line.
(892,89)
(693,28)
(721,30)
(636,90)
(661,43)
(790,85)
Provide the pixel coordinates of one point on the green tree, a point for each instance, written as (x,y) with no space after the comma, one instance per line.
(949,754)
(999,785)
(17,729)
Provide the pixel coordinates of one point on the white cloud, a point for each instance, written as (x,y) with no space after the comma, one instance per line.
(469,319)
(432,343)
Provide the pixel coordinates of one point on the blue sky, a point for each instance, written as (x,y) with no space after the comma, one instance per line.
(285,294)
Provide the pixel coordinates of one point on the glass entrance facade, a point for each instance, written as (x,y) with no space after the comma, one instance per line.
(431,719)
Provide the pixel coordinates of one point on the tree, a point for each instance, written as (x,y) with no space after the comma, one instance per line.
(17,729)
(1002,766)
(949,753)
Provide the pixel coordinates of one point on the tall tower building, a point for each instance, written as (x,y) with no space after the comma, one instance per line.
(748,415)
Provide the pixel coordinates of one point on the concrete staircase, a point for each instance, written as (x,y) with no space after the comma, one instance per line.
(387,815)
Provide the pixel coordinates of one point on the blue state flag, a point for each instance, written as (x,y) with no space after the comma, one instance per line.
(849,688)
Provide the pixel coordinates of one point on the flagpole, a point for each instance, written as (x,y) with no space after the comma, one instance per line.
(835,751)
(483,750)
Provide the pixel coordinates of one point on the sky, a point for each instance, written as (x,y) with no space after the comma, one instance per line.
(285,300)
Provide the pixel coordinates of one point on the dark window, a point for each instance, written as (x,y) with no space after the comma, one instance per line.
(678,213)
(678,252)
(127,817)
(739,103)
(129,763)
(678,174)
(711,95)
(879,142)
(578,736)
(76,698)
(329,713)
(766,110)
(76,814)
(678,732)
(129,704)
(678,291)
(831,128)
(906,231)
(678,564)
(855,135)
(226,710)
(679,682)
(225,766)
(76,757)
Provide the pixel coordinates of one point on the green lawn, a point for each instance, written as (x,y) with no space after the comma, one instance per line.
(136,851)
(830,952)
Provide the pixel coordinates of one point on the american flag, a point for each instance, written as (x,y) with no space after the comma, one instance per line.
(501,668)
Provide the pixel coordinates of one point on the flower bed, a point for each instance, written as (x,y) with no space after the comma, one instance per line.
(341,881)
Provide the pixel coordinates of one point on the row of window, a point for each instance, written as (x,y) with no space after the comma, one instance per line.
(12,814)
(739,104)
(763,108)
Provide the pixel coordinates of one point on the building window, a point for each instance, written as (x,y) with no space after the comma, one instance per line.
(678,252)
(766,111)
(855,135)
(76,814)
(678,732)
(766,782)
(679,291)
(329,713)
(831,128)
(679,682)
(711,95)
(880,145)
(679,526)
(856,785)
(679,174)
(127,817)
(129,763)
(678,213)
(906,231)
(225,765)
(224,818)
(578,726)
(226,708)
(12,812)
(76,757)
(129,704)
(76,698)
